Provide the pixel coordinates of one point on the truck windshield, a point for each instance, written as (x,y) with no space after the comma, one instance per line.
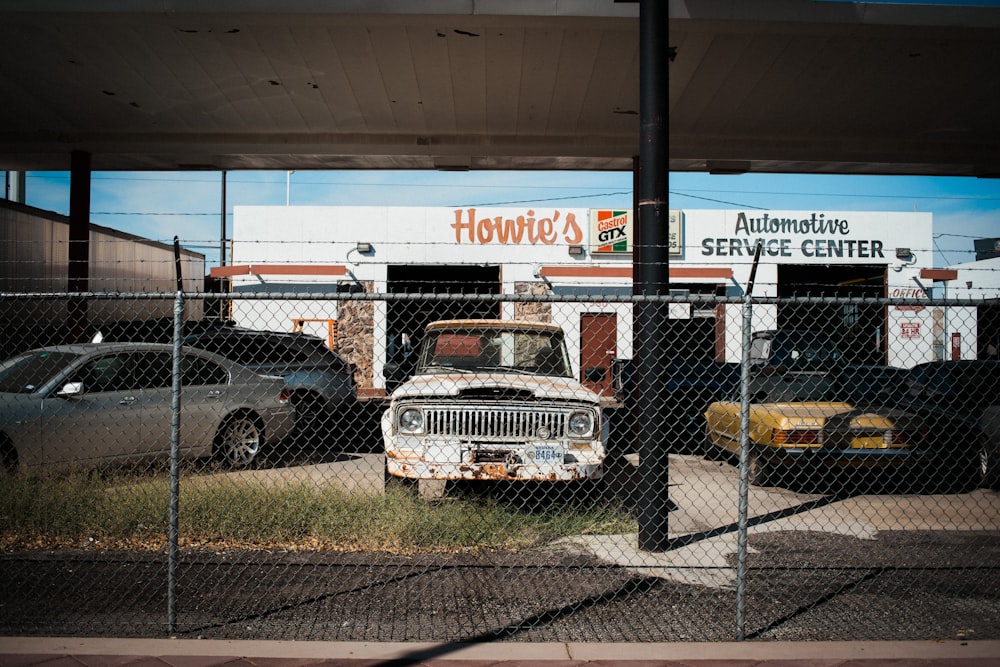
(495,350)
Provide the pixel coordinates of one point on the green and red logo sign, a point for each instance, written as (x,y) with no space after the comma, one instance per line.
(611,230)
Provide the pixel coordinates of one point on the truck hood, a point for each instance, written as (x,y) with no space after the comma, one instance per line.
(454,384)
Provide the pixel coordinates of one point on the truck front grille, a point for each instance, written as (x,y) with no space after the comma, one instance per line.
(498,424)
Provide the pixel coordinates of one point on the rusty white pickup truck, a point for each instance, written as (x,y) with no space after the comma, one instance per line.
(493,400)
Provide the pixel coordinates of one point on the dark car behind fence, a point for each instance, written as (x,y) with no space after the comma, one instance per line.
(308,542)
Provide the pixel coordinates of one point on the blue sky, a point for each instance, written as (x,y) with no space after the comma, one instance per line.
(161,205)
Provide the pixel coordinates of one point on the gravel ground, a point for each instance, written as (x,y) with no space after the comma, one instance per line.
(800,585)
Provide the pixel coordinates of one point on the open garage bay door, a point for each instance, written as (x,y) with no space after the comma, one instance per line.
(858,329)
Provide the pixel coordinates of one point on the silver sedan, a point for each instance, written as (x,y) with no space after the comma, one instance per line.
(99,402)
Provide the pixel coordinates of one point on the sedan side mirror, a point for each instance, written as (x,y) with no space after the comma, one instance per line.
(71,389)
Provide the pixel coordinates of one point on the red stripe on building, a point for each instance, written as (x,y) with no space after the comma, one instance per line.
(626,272)
(278,270)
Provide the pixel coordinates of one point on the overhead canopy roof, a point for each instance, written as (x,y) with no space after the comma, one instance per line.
(759,85)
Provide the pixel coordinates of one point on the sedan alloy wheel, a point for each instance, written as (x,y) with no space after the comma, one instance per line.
(239,441)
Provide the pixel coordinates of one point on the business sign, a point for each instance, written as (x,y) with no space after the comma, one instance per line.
(908,293)
(610,231)
(675,231)
(516,227)
(809,236)
(909,330)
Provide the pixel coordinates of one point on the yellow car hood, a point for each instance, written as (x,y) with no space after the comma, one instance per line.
(815,415)
(862,428)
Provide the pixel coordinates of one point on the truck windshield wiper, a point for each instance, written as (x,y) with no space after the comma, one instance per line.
(507,369)
(438,367)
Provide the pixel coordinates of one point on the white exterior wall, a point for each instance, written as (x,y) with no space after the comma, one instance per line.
(308,235)
(975,281)
(521,240)
(821,238)
(401,235)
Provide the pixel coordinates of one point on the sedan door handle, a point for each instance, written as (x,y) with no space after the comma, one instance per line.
(214,393)
(127,400)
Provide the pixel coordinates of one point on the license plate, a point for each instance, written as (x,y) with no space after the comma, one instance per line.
(546,454)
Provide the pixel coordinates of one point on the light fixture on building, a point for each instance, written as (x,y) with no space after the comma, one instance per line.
(576,250)
(905,257)
(365,248)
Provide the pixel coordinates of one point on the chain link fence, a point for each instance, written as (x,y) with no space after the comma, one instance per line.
(328,467)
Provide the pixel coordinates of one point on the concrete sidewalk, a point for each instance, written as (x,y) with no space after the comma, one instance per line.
(21,651)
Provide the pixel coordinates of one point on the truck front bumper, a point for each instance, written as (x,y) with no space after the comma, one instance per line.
(456,460)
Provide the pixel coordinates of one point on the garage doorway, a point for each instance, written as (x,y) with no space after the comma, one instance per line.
(857,329)
(410,317)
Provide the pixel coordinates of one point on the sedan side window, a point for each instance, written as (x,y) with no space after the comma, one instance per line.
(198,371)
(110,373)
(247,351)
(155,370)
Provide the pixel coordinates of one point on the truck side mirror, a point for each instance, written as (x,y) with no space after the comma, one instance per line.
(594,374)
(394,371)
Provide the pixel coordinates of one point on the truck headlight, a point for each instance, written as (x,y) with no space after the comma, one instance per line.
(411,420)
(581,424)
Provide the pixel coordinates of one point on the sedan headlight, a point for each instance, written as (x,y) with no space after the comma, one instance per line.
(411,420)
(581,424)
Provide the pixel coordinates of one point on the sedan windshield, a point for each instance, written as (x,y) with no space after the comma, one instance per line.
(27,372)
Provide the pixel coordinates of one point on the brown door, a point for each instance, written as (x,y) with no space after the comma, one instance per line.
(598,346)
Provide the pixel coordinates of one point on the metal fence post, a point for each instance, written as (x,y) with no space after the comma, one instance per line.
(175,430)
(744,489)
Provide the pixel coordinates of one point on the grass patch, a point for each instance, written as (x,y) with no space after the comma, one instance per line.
(133,512)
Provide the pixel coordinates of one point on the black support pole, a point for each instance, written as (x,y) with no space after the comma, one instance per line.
(78,271)
(651,277)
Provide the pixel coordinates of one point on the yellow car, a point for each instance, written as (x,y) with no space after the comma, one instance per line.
(805,432)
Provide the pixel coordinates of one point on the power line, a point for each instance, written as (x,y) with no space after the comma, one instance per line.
(717,201)
(536,201)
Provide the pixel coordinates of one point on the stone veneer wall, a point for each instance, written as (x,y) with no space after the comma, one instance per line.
(533,312)
(356,337)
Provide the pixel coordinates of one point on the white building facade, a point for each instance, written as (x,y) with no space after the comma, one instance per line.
(583,251)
